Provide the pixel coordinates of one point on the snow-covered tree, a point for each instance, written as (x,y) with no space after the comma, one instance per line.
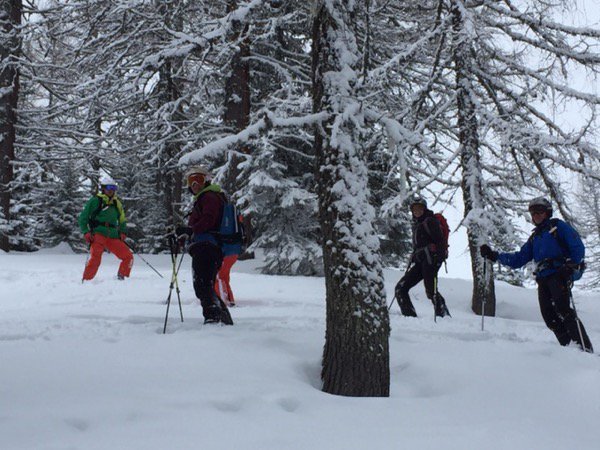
(59,214)
(356,354)
(589,217)
(493,70)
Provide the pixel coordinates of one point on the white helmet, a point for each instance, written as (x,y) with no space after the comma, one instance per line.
(197,174)
(106,180)
(201,170)
(541,203)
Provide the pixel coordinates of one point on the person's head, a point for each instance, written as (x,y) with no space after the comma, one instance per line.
(108,186)
(540,209)
(418,205)
(196,178)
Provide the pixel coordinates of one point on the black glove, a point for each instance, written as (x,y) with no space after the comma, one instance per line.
(565,271)
(488,253)
(183,232)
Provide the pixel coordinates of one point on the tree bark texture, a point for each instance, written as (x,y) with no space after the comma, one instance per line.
(170,177)
(10,49)
(356,352)
(471,183)
(237,97)
(170,93)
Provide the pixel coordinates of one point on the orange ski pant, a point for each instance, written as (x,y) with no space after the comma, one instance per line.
(117,247)
(222,286)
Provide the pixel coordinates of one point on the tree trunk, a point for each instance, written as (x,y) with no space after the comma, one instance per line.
(170,178)
(10,49)
(170,91)
(471,184)
(237,98)
(356,352)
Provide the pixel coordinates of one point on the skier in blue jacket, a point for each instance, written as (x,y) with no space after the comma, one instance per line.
(558,253)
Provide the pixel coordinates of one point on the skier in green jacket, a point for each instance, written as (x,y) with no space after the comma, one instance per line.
(104,226)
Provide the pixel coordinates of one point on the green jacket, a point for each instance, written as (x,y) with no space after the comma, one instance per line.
(108,219)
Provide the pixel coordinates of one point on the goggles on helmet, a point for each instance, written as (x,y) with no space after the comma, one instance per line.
(195,178)
(110,187)
(538,210)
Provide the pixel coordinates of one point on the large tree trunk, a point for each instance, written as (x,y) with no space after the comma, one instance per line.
(471,184)
(170,91)
(170,178)
(237,98)
(10,49)
(356,353)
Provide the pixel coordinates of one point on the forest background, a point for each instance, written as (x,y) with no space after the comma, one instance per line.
(477,105)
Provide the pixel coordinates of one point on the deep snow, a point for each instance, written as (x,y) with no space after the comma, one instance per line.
(87,367)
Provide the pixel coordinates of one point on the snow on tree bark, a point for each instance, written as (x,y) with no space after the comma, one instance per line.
(472,177)
(356,353)
(10,20)
(170,93)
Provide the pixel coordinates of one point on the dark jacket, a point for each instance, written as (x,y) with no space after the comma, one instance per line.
(206,214)
(552,242)
(428,237)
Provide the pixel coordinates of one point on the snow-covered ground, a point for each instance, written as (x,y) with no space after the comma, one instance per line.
(87,367)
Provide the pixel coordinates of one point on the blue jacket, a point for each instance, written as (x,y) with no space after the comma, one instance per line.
(545,248)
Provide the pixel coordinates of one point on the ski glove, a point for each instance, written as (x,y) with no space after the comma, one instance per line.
(488,253)
(88,237)
(183,232)
(568,269)
(565,272)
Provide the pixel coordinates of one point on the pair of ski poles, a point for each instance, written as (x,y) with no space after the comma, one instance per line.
(175,266)
(174,250)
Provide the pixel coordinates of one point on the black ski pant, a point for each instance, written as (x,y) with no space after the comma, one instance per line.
(206,262)
(420,270)
(554,295)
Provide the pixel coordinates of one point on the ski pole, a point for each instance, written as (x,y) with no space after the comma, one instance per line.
(143,259)
(87,259)
(179,264)
(174,280)
(435,298)
(583,345)
(485,286)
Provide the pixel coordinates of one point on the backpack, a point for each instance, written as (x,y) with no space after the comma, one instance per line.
(579,268)
(231,230)
(92,222)
(445,231)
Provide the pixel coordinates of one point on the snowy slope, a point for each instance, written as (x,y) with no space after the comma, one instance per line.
(87,367)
